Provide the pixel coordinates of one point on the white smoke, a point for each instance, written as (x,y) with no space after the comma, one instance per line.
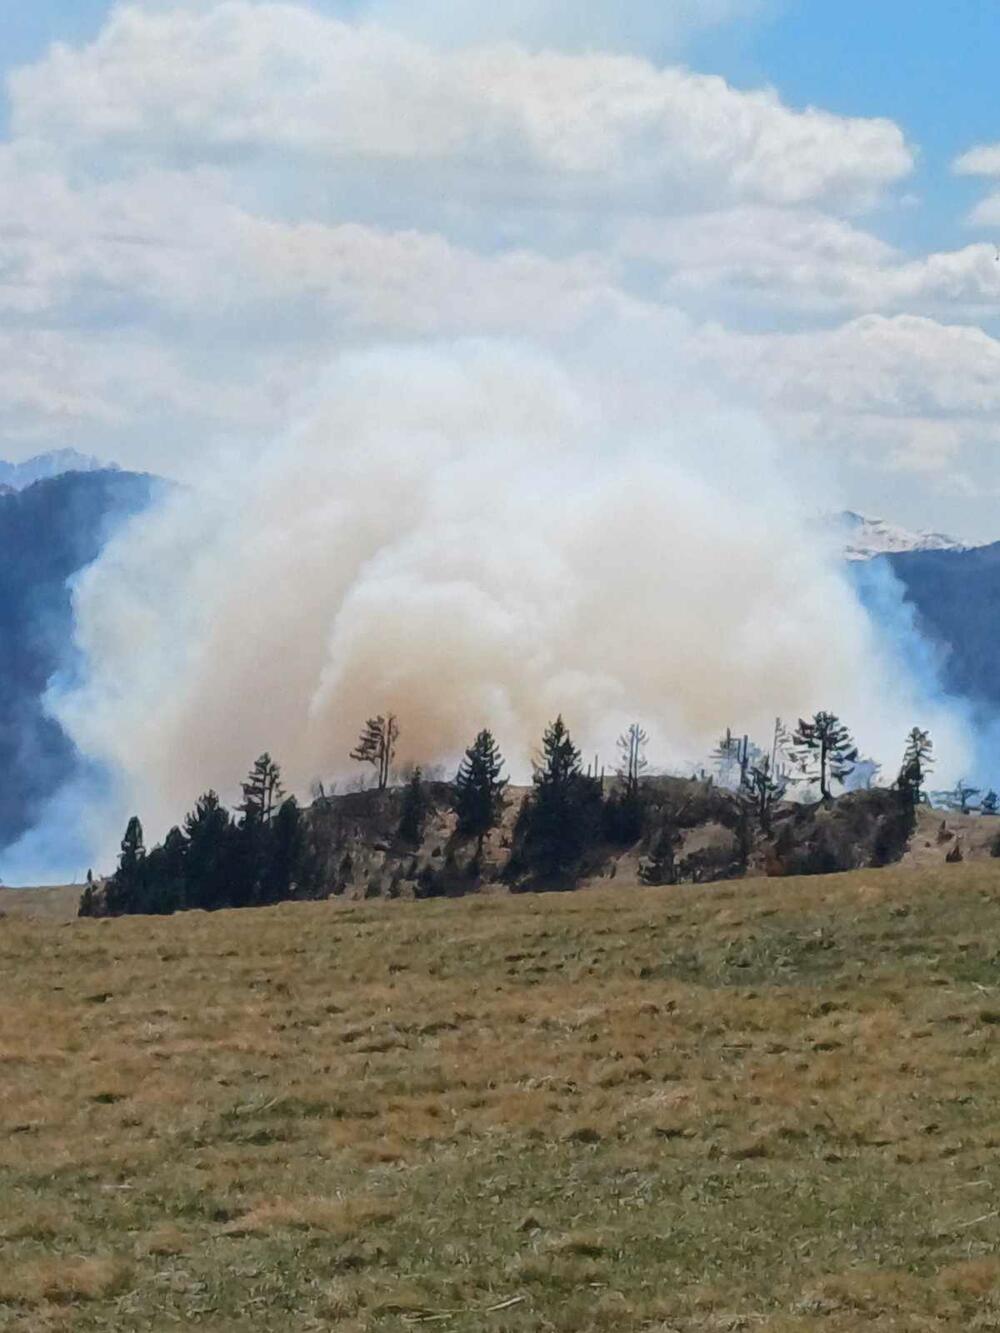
(472,536)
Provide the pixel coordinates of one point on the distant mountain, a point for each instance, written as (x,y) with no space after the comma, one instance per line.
(865,538)
(48,532)
(956,594)
(55,464)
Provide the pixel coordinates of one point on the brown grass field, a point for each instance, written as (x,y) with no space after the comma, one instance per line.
(762,1106)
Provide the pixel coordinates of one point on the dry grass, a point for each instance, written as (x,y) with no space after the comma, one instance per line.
(766,1106)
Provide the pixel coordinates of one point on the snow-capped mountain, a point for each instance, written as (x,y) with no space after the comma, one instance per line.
(18,476)
(864,538)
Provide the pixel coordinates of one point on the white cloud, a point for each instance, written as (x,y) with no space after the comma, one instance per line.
(241,79)
(236,191)
(987,212)
(983,160)
(904,392)
(800,259)
(167,245)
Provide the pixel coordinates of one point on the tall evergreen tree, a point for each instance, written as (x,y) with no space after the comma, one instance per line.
(125,886)
(480,788)
(825,750)
(566,807)
(918,760)
(262,791)
(210,850)
(283,874)
(164,887)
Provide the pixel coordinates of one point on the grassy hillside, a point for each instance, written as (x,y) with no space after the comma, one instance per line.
(762,1105)
(49,904)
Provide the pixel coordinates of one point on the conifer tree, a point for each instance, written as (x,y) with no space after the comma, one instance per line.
(164,886)
(283,873)
(566,806)
(825,750)
(209,834)
(479,788)
(262,791)
(125,886)
(918,760)
(414,810)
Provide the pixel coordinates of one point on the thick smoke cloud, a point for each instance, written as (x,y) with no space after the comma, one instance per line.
(471,536)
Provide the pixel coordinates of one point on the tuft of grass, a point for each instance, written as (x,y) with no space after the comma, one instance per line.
(61,1281)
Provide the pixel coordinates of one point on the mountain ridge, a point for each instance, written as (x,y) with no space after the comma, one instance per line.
(46,466)
(866,537)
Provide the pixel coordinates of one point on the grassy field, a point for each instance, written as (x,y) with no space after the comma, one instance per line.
(763,1106)
(58,904)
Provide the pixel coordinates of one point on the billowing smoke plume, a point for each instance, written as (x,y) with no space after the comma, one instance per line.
(466,537)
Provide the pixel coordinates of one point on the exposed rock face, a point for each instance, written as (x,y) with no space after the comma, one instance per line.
(865,828)
(692,832)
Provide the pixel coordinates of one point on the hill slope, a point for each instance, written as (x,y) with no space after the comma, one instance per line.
(766,1105)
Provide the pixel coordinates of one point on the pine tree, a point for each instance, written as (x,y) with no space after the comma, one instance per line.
(125,887)
(251,846)
(262,791)
(566,807)
(377,746)
(479,789)
(209,833)
(413,814)
(285,852)
(918,760)
(825,749)
(164,887)
(990,804)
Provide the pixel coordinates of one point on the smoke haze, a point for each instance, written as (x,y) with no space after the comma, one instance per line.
(467,537)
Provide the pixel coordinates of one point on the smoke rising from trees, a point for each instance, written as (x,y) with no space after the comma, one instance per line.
(471,536)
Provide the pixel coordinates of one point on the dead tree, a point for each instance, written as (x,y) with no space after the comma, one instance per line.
(632,765)
(377,746)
